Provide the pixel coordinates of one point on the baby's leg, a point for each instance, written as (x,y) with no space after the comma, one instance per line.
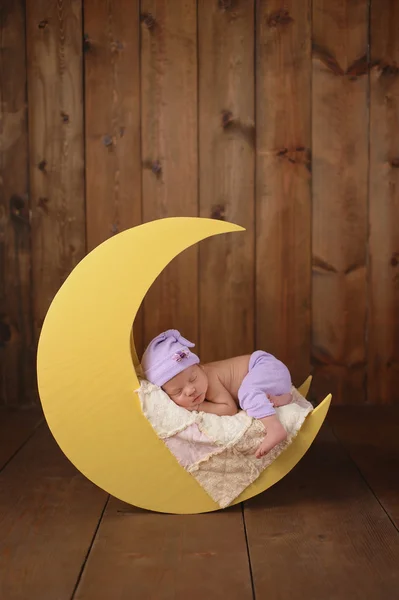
(275,434)
(257,405)
(267,378)
(267,384)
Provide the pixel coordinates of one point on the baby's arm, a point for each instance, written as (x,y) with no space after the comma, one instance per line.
(220,401)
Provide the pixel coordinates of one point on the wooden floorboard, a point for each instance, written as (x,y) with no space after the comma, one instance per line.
(371,436)
(48,516)
(321,533)
(144,555)
(327,531)
(16,427)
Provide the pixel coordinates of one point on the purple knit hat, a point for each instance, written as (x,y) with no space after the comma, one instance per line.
(166,356)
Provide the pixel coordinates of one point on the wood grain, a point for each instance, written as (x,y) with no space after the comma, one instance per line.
(383,276)
(227,169)
(16,427)
(112,124)
(340,167)
(170,154)
(17,384)
(321,530)
(371,438)
(54,50)
(48,517)
(283,199)
(145,555)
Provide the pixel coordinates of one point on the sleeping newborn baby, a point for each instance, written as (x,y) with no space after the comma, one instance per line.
(256,383)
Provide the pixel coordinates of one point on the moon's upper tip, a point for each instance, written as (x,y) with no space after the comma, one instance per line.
(324,404)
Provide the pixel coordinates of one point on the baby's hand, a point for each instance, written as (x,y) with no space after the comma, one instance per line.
(281,400)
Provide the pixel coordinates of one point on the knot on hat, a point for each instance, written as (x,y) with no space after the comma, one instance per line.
(166,356)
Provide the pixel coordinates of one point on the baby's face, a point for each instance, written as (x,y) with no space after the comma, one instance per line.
(188,388)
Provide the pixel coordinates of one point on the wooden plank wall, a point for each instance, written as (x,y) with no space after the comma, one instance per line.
(227,176)
(383,275)
(283,193)
(169,101)
(112,124)
(340,198)
(16,300)
(282,118)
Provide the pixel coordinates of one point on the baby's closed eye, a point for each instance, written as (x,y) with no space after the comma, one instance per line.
(176,392)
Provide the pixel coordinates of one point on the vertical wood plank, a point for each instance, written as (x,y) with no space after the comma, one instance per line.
(49,513)
(324,522)
(340,167)
(112,122)
(383,289)
(138,554)
(54,50)
(16,427)
(169,152)
(227,169)
(283,202)
(371,438)
(16,357)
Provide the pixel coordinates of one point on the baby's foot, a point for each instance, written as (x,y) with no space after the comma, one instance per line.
(281,400)
(275,434)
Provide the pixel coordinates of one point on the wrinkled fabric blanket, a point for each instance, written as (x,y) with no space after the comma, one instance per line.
(218,451)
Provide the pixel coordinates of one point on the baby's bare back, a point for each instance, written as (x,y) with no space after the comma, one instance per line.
(229,373)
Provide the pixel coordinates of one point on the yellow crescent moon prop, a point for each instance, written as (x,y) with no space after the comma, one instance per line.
(87,380)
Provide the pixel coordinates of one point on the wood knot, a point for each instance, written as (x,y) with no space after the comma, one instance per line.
(218,212)
(17,204)
(43,204)
(107,141)
(43,24)
(395,260)
(148,19)
(296,155)
(327,59)
(153,165)
(156,167)
(86,43)
(389,70)
(5,332)
(42,165)
(279,17)
(360,67)
(225,4)
(395,163)
(18,212)
(227,118)
(64,117)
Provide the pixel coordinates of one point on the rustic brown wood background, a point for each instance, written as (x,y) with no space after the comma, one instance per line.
(279,116)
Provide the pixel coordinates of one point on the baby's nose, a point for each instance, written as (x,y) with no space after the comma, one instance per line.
(191,391)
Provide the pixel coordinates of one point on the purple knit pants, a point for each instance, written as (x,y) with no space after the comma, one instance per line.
(266,375)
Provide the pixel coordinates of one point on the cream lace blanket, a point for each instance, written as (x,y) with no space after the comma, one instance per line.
(218,451)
